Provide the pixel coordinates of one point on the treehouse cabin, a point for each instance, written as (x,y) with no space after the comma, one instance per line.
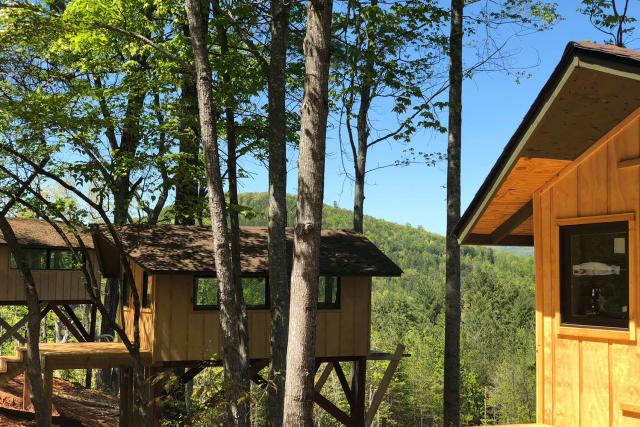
(568,184)
(174,273)
(173,268)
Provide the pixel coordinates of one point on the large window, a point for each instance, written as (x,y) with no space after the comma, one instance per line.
(256,292)
(329,292)
(594,282)
(205,293)
(46,259)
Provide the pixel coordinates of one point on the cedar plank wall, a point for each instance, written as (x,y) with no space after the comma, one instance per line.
(53,285)
(583,381)
(182,333)
(146,314)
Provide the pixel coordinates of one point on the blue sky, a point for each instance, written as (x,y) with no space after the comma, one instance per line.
(493,106)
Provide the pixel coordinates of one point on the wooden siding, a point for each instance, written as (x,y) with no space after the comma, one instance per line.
(53,285)
(587,378)
(146,314)
(181,333)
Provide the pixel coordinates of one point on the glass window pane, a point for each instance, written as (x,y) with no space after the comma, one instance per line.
(254,290)
(595,279)
(328,290)
(36,259)
(206,292)
(146,291)
(60,260)
(125,293)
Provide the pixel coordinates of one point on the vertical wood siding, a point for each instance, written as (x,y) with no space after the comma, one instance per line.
(182,333)
(53,285)
(584,381)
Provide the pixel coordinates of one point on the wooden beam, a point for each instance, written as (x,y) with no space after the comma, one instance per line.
(343,382)
(324,377)
(331,409)
(48,390)
(70,326)
(512,223)
(629,162)
(21,323)
(77,322)
(21,339)
(384,384)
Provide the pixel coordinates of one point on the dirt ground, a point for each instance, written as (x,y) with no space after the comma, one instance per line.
(73,406)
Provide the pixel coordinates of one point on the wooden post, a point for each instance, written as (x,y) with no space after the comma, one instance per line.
(358,387)
(126,396)
(48,390)
(92,337)
(384,384)
(26,393)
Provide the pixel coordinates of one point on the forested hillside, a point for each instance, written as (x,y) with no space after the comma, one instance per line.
(498,336)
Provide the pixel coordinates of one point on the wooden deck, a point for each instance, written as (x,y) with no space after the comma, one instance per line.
(87,355)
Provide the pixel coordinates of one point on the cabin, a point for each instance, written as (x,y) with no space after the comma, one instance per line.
(568,184)
(174,273)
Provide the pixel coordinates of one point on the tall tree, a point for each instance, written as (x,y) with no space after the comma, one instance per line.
(299,390)
(451,389)
(386,56)
(611,17)
(278,266)
(235,364)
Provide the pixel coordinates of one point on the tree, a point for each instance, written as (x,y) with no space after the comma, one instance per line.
(235,351)
(298,402)
(451,388)
(610,18)
(387,56)
(278,268)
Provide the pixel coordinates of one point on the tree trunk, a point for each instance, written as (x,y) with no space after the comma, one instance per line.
(278,268)
(299,391)
(451,393)
(234,220)
(362,126)
(41,405)
(235,373)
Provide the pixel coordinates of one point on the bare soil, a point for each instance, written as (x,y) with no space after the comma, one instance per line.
(73,405)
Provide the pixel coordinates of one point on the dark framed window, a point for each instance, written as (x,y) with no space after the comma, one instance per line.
(329,292)
(594,278)
(255,291)
(205,293)
(146,291)
(46,259)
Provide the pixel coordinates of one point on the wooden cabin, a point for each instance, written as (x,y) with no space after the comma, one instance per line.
(57,279)
(568,184)
(174,273)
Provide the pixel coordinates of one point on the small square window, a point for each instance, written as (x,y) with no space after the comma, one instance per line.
(329,292)
(125,292)
(594,282)
(256,292)
(205,292)
(36,259)
(146,291)
(60,259)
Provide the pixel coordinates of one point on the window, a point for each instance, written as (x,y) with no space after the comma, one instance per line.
(36,259)
(594,282)
(146,291)
(46,259)
(60,260)
(205,292)
(329,292)
(255,291)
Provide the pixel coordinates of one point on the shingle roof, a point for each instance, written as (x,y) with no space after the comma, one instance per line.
(168,248)
(39,233)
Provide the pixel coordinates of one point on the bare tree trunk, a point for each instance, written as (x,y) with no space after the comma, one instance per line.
(41,405)
(362,126)
(298,404)
(451,392)
(235,373)
(278,269)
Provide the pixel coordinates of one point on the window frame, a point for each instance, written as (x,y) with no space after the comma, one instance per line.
(573,330)
(210,307)
(48,252)
(331,306)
